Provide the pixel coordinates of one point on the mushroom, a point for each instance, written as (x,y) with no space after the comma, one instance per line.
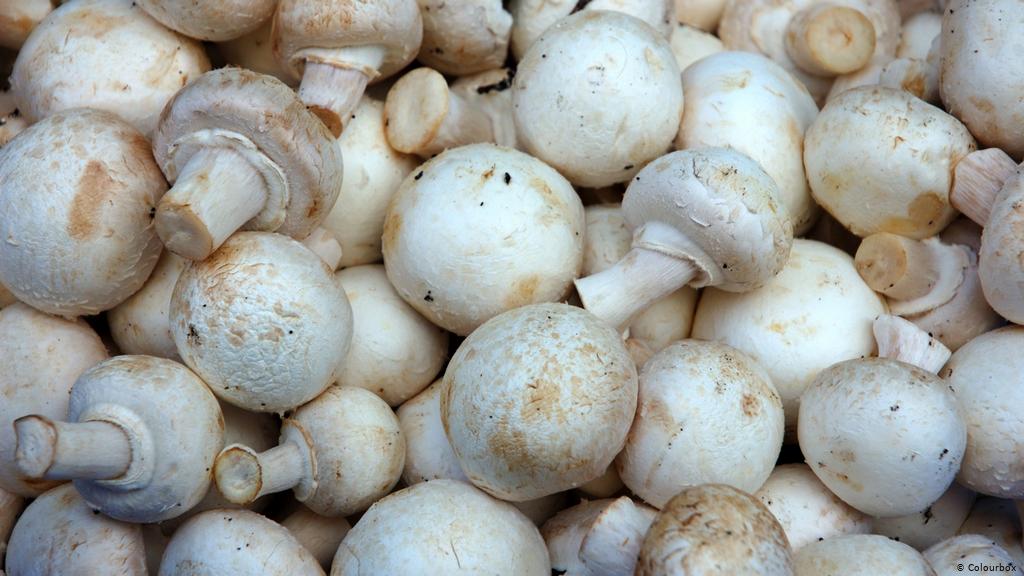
(140,324)
(216,20)
(538,400)
(104,54)
(886,437)
(10,508)
(464,36)
(448,526)
(241,151)
(815,313)
(917,35)
(900,339)
(339,453)
(255,52)
(933,524)
(860,555)
(60,533)
(324,244)
(428,454)
(88,243)
(987,377)
(540,510)
(748,103)
(12,122)
(690,44)
(583,93)
(707,217)
(20,18)
(880,160)
(219,542)
(701,14)
(318,534)
(263,322)
(999,521)
(139,440)
(981,78)
(41,356)
(373,172)
(920,77)
(597,537)
(480,230)
(707,414)
(338,48)
(715,529)
(605,485)
(973,551)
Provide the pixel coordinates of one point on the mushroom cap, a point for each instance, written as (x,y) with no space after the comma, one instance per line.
(749,103)
(373,172)
(998,520)
(140,324)
(175,419)
(917,35)
(20,18)
(442,527)
(701,14)
(949,557)
(59,533)
(490,91)
(607,240)
(707,414)
(464,36)
(428,454)
(597,96)
(806,509)
(538,400)
(884,436)
(263,321)
(212,20)
(395,352)
(987,377)
(817,311)
(982,74)
(220,542)
(254,51)
(690,44)
(41,356)
(860,555)
(933,524)
(317,28)
(597,537)
(880,160)
(726,209)
(88,243)
(479,230)
(715,529)
(268,114)
(999,261)
(85,54)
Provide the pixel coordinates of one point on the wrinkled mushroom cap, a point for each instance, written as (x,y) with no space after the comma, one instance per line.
(20,18)
(428,454)
(140,324)
(464,36)
(212,20)
(860,555)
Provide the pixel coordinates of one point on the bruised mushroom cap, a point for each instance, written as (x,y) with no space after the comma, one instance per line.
(88,243)
(749,103)
(255,114)
(85,53)
(140,324)
(59,533)
(937,522)
(880,160)
(41,356)
(212,20)
(987,377)
(1000,267)
(884,436)
(219,542)
(263,321)
(305,28)
(982,74)
(20,18)
(715,529)
(429,455)
(950,556)
(597,537)
(806,509)
(584,97)
(464,36)
(538,400)
(480,230)
(707,413)
(860,555)
(447,525)
(725,209)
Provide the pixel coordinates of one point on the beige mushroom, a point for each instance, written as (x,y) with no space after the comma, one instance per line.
(11,506)
(935,523)
(464,36)
(999,521)
(12,122)
(690,44)
(211,20)
(701,14)
(140,324)
(860,555)
(900,339)
(20,18)
(254,51)
(974,552)
(597,537)
(318,534)
(429,455)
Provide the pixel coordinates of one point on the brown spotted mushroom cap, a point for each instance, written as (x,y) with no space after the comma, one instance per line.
(212,20)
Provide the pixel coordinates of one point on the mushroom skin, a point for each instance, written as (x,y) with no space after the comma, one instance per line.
(886,437)
(999,264)
(320,535)
(538,400)
(20,18)
(701,14)
(95,223)
(582,97)
(860,555)
(429,455)
(141,324)
(442,527)
(263,322)
(715,529)
(690,44)
(60,533)
(935,523)
(11,506)
(917,35)
(597,536)
(464,36)
(980,554)
(998,520)
(211,20)
(254,51)
(84,54)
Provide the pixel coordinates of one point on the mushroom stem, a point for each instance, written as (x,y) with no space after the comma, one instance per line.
(900,339)
(899,267)
(324,244)
(242,475)
(216,193)
(332,92)
(977,180)
(53,450)
(829,40)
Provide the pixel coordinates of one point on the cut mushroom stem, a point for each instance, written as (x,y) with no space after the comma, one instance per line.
(324,244)
(52,450)
(977,180)
(217,192)
(829,40)
(900,339)
(332,92)
(899,267)
(244,475)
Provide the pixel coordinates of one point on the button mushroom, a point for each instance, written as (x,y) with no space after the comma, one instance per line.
(899,339)
(597,537)
(139,440)
(318,534)
(429,455)
(140,324)
(464,36)
(999,521)
(10,508)
(860,555)
(691,44)
(255,52)
(931,525)
(972,551)
(20,18)
(701,14)
(215,20)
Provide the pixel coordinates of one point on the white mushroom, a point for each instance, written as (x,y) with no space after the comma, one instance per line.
(937,522)
(999,521)
(318,534)
(690,44)
(20,18)
(464,36)
(597,537)
(324,244)
(968,554)
(10,508)
(212,20)
(140,324)
(255,52)
(899,339)
(860,555)
(12,122)
(605,485)
(917,35)
(429,455)
(702,14)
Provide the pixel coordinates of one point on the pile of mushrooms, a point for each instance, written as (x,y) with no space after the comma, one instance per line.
(522,287)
